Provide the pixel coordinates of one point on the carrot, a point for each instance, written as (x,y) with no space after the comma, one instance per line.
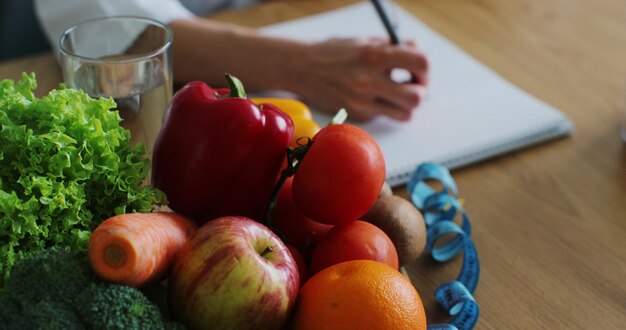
(138,248)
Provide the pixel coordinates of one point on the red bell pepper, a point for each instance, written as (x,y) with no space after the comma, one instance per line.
(219,155)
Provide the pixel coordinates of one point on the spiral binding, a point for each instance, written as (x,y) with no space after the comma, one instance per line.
(440,209)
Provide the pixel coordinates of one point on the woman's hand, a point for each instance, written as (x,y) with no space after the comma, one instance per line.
(356,74)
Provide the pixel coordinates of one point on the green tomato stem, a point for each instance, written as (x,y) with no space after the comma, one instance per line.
(294,158)
(339,118)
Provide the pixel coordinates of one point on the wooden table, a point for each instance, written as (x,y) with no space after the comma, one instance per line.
(550,221)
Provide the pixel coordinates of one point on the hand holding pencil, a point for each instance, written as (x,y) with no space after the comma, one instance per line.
(351,73)
(389,27)
(364,84)
(356,74)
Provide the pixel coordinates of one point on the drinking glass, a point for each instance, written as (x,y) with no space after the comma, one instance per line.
(126,58)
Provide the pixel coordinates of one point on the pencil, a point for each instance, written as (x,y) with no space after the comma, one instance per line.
(393,37)
(386,22)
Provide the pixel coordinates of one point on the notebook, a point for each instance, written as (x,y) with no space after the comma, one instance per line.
(470,113)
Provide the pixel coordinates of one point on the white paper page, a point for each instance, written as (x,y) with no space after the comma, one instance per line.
(470,112)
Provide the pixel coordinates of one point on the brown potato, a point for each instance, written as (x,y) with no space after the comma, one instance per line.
(403,223)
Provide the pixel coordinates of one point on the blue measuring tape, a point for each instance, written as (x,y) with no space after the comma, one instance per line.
(440,208)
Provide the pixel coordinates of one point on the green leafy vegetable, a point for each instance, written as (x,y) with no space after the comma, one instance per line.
(66,165)
(57,289)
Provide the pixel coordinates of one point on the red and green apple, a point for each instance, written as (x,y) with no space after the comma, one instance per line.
(233,273)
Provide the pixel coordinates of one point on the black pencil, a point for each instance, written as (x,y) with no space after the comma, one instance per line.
(393,37)
(386,22)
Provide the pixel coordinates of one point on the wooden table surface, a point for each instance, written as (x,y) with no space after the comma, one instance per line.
(549,222)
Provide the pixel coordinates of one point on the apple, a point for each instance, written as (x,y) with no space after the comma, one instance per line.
(233,273)
(303,267)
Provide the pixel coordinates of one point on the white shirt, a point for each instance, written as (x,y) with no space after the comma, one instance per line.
(56,16)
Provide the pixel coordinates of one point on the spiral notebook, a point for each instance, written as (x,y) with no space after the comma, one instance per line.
(470,113)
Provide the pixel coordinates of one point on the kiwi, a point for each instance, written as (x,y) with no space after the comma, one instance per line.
(385,190)
(403,223)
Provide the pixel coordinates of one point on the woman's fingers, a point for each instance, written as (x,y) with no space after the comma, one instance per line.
(356,74)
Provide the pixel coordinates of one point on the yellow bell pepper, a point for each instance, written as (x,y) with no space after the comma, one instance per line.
(304,125)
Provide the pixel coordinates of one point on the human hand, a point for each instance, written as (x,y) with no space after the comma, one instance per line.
(355,74)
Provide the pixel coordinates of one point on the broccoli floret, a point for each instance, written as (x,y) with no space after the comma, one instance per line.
(10,313)
(174,326)
(42,286)
(51,274)
(57,289)
(51,315)
(44,314)
(114,306)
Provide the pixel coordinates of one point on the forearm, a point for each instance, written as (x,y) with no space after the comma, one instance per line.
(331,74)
(206,50)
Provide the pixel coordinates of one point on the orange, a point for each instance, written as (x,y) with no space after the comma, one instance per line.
(359,294)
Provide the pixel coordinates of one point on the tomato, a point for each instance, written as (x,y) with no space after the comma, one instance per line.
(297,229)
(340,176)
(355,240)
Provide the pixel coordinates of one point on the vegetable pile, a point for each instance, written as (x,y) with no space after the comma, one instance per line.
(256,213)
(56,289)
(67,165)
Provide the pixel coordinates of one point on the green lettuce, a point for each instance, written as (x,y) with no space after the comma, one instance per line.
(66,165)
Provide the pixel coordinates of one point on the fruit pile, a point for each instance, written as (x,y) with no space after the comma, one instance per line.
(318,245)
